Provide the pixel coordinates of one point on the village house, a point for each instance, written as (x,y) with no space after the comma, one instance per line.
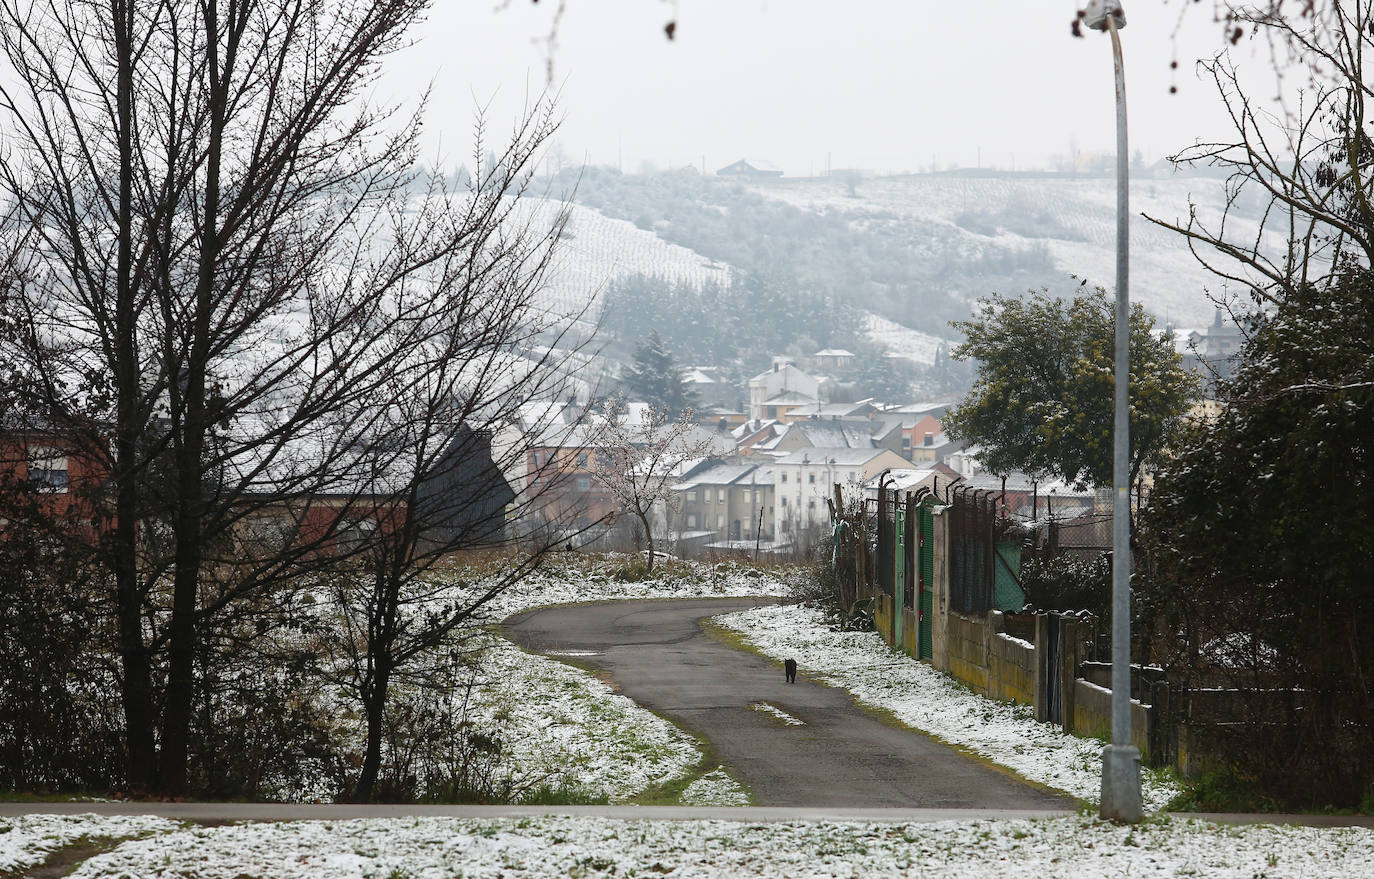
(783,388)
(805,479)
(60,473)
(727,499)
(833,358)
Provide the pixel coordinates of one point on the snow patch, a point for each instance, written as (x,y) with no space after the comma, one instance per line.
(715,788)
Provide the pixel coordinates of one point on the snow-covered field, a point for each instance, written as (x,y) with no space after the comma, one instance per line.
(598,249)
(27,840)
(928,700)
(430,848)
(902,341)
(1074,218)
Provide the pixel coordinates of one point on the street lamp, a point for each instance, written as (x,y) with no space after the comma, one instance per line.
(1120,760)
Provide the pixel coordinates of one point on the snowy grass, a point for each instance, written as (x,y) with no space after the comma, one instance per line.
(429,848)
(576,578)
(715,788)
(27,840)
(924,698)
(576,734)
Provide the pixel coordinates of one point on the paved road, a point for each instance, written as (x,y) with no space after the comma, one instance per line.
(656,653)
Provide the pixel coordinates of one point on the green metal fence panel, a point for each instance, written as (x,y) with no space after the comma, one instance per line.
(926,580)
(1009,596)
(898,574)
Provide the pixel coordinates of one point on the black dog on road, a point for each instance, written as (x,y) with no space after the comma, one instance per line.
(790,668)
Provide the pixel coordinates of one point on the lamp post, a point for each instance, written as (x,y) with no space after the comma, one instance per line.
(1121,799)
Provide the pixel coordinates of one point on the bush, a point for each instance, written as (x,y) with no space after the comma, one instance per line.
(61,728)
(1069,583)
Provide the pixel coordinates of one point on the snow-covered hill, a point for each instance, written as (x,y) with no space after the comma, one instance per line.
(597,249)
(1074,218)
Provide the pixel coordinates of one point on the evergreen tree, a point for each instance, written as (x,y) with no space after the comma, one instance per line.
(655,378)
(1042,401)
(1260,532)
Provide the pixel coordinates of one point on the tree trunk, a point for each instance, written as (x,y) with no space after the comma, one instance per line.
(191,446)
(136,673)
(648,535)
(374,703)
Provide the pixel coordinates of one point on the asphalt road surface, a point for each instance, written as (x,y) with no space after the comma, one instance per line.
(657,653)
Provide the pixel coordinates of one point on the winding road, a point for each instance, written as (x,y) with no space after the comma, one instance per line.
(812,747)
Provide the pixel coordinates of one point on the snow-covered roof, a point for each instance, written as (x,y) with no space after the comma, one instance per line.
(833,352)
(907,479)
(835,434)
(840,456)
(697,376)
(836,410)
(720,474)
(752,427)
(789,398)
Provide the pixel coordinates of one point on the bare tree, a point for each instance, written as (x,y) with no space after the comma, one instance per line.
(1300,194)
(222,261)
(640,455)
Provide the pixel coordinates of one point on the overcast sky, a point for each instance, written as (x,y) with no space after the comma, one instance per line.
(882,85)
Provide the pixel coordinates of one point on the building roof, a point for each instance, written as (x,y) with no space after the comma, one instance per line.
(833,352)
(837,456)
(1019,481)
(724,473)
(859,408)
(781,368)
(836,434)
(905,479)
(789,398)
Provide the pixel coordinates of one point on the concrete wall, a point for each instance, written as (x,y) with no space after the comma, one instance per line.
(988,660)
(1011,670)
(1092,716)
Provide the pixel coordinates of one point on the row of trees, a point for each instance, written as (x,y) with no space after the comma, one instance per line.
(223,285)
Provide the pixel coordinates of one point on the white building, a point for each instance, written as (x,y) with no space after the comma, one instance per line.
(804,479)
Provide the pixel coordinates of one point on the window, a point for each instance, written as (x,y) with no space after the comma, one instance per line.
(48,467)
(784,502)
(691,520)
(691,494)
(584,483)
(720,496)
(582,459)
(784,477)
(538,459)
(811,478)
(811,504)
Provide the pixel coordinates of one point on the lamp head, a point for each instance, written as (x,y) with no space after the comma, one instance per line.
(1098,11)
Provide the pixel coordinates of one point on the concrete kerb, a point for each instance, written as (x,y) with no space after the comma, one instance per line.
(232,812)
(218,813)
